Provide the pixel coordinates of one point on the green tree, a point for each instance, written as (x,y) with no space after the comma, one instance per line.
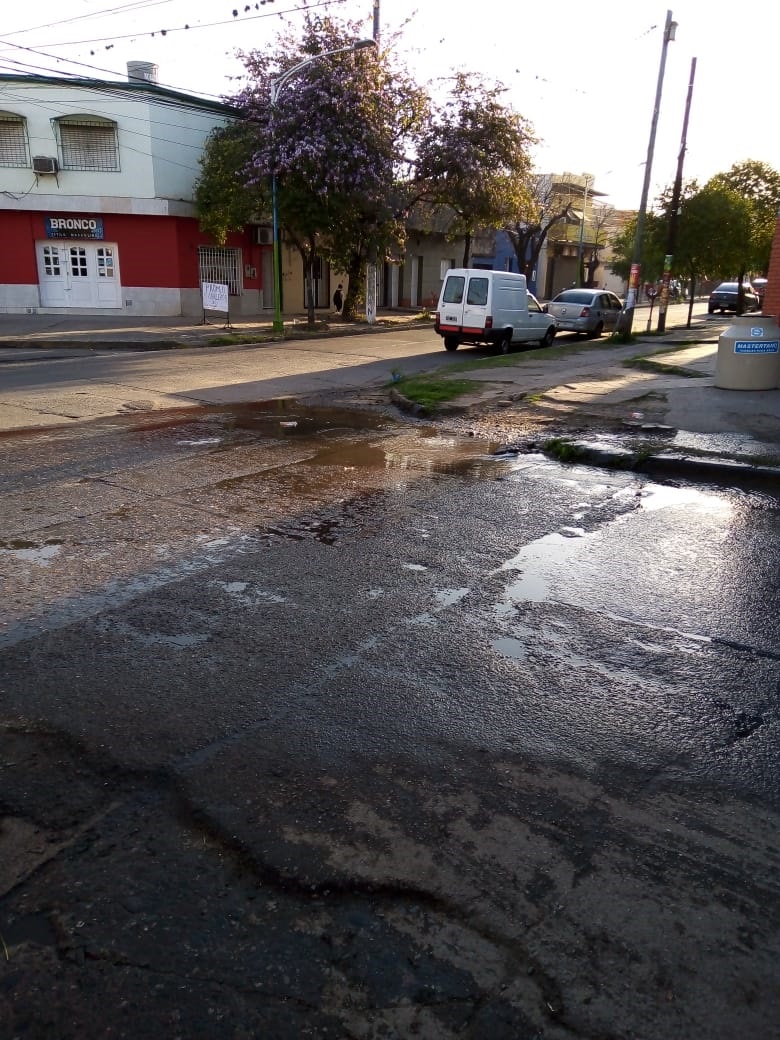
(224,198)
(759,186)
(474,157)
(715,223)
(653,241)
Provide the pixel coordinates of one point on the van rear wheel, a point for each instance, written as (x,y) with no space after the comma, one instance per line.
(505,343)
(451,342)
(548,337)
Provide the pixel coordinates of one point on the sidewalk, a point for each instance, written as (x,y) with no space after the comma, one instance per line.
(152,333)
(593,380)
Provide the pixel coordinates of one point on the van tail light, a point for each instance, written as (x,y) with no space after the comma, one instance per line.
(489,321)
(585,312)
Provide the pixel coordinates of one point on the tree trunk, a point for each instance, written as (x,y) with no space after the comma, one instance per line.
(467,249)
(353,297)
(310,292)
(691,297)
(741,292)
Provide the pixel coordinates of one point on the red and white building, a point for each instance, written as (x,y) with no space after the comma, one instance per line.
(96,201)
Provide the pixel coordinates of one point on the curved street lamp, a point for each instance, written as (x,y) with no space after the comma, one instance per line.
(276,86)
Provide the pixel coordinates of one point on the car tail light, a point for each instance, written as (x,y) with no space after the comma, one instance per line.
(585,312)
(489,321)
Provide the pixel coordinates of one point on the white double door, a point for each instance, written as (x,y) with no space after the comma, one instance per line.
(79,274)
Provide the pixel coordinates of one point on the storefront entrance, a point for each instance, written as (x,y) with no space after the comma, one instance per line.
(78,274)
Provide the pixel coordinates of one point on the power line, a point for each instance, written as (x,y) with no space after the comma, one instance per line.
(55,57)
(187,26)
(122,8)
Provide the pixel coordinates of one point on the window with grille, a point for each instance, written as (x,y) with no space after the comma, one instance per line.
(51,261)
(78,261)
(88,144)
(105,262)
(222,266)
(13,141)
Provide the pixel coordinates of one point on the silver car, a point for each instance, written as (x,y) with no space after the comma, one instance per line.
(585,311)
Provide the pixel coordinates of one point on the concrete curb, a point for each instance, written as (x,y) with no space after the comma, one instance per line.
(689,467)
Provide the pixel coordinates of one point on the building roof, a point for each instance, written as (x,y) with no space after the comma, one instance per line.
(128,88)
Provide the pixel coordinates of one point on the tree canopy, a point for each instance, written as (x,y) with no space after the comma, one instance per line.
(475,158)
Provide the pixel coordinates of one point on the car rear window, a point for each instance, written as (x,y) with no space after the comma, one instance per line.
(573,296)
(727,287)
(453,289)
(478,292)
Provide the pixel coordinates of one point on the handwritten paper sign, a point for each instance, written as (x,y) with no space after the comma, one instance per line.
(215,297)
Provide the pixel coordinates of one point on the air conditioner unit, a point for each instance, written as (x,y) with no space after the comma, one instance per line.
(263,236)
(45,164)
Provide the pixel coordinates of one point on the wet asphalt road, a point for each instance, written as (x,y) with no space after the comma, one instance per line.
(319,725)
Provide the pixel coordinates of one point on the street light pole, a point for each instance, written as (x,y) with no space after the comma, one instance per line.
(276,87)
(627,317)
(588,184)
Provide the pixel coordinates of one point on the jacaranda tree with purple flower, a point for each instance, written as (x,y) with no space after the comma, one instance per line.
(340,139)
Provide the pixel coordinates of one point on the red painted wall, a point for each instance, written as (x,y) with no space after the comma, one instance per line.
(17,248)
(153,251)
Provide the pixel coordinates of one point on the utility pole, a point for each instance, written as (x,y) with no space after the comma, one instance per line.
(371,274)
(627,317)
(588,184)
(674,215)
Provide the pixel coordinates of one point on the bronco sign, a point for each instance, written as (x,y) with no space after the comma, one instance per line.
(74,227)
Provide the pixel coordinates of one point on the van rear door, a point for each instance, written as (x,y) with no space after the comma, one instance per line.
(475,308)
(451,303)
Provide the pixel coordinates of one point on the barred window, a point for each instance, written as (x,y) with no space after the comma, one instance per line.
(88,144)
(222,266)
(51,261)
(78,261)
(13,141)
(105,262)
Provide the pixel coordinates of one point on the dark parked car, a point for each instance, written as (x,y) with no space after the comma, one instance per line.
(587,311)
(724,298)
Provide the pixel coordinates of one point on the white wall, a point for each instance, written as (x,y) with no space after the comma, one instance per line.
(159,145)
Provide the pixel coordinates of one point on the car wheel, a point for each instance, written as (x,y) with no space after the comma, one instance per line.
(710,310)
(450,342)
(595,333)
(548,337)
(505,343)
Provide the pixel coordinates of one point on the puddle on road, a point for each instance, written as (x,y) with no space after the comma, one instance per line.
(213,425)
(663,496)
(328,432)
(38,553)
(562,558)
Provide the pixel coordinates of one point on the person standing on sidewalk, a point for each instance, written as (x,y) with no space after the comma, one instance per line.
(338,299)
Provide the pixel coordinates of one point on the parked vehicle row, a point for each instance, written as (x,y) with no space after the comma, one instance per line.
(724,298)
(495,308)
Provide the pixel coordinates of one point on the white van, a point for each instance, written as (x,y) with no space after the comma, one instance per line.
(492,307)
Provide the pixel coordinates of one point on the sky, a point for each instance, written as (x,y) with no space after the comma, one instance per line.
(584,76)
